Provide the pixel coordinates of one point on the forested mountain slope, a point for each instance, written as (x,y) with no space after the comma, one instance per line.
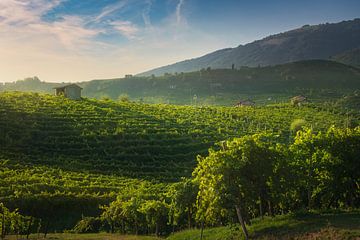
(308,42)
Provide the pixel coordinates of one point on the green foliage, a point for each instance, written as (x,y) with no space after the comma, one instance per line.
(61,159)
(235,178)
(297,125)
(182,201)
(325,167)
(123,98)
(88,225)
(11,222)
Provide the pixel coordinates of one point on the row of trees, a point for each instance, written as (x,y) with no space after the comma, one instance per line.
(150,210)
(251,177)
(12,222)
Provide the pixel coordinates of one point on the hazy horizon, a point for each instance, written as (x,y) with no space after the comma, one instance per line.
(71,41)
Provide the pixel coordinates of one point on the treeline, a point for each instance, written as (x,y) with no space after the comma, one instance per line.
(318,79)
(248,177)
(13,222)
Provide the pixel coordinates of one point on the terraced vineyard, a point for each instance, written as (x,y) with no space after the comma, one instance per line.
(75,155)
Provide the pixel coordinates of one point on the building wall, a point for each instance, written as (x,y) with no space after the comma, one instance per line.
(73,92)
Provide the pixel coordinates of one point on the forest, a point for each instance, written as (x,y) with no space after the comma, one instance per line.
(127,167)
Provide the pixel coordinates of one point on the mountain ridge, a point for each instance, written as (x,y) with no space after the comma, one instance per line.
(307,42)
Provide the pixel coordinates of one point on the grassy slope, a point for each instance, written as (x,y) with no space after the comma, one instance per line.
(341,225)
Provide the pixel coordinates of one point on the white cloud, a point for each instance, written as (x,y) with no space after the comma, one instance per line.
(21,21)
(67,50)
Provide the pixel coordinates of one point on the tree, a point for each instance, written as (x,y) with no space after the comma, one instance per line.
(123,98)
(155,211)
(311,162)
(131,212)
(344,146)
(114,214)
(11,222)
(182,201)
(234,177)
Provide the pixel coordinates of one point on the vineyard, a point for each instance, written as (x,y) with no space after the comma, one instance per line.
(59,154)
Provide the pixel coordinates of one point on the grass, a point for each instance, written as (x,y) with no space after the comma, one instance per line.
(87,236)
(339,225)
(313,225)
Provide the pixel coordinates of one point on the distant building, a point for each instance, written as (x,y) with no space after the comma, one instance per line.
(71,91)
(128,76)
(298,100)
(247,103)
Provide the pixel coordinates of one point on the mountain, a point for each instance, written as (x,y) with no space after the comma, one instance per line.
(351,57)
(308,42)
(314,78)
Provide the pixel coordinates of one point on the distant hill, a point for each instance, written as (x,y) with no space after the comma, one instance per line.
(315,78)
(308,42)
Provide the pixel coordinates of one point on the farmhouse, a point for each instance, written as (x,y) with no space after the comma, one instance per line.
(247,103)
(298,100)
(71,91)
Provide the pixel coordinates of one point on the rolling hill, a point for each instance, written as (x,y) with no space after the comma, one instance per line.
(317,79)
(64,158)
(305,43)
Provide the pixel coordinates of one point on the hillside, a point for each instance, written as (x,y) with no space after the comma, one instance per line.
(317,79)
(301,226)
(308,42)
(57,154)
(351,57)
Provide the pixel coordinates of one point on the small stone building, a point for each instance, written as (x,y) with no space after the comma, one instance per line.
(71,91)
(298,100)
(244,103)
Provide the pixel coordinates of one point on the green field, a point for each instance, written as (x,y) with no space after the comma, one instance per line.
(62,159)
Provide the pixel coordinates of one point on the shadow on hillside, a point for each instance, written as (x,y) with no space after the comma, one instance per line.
(39,138)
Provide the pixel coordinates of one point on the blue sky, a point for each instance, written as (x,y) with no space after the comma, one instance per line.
(79,40)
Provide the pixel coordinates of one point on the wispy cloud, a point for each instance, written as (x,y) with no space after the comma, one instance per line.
(23,20)
(178,11)
(111,9)
(31,45)
(126,28)
(146,14)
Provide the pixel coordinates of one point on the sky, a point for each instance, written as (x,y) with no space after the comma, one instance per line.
(81,40)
